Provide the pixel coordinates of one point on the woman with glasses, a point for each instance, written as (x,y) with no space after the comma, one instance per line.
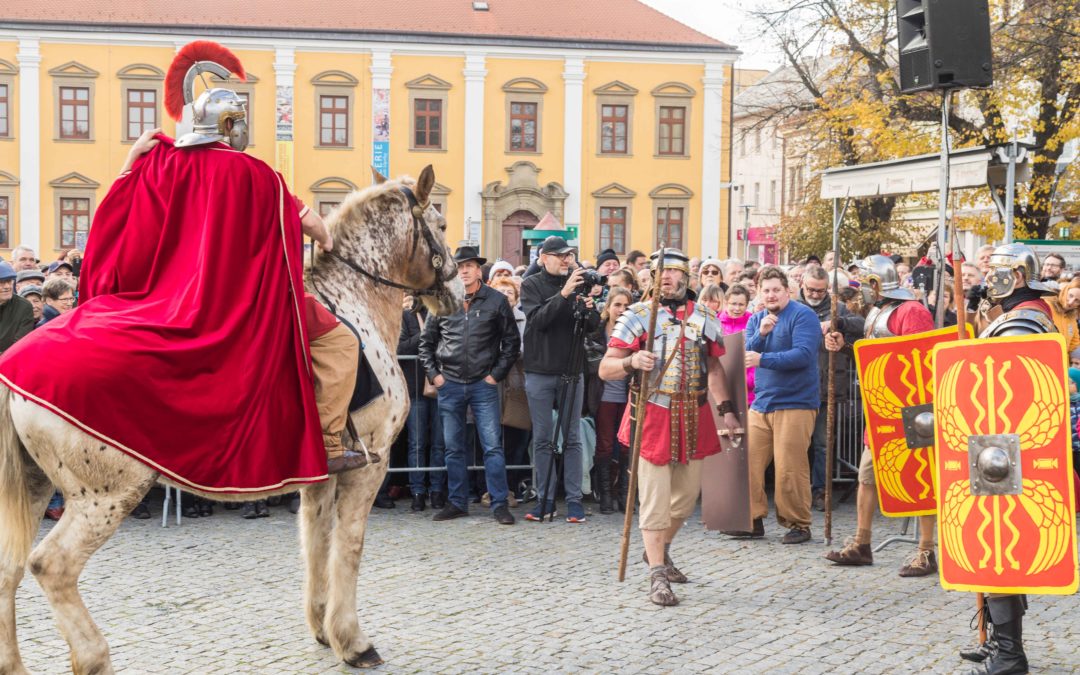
(712,272)
(59,296)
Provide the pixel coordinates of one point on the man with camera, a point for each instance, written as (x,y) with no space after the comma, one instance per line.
(559,314)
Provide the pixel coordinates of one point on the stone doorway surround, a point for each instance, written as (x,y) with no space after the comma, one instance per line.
(521,192)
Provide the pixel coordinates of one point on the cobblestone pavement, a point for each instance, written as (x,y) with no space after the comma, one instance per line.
(222,595)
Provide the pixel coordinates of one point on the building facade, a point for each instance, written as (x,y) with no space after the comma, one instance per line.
(620,127)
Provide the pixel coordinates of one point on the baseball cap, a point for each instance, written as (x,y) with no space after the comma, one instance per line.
(7,272)
(557,245)
(57,264)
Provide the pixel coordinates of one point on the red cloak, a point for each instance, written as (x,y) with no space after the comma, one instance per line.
(187,349)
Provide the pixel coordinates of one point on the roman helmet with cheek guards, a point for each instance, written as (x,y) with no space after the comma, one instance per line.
(215,107)
(1004,261)
(881,269)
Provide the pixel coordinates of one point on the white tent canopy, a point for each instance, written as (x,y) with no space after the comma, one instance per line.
(968,168)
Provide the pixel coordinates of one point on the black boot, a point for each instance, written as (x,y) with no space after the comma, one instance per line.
(987,649)
(622,485)
(603,476)
(1007,615)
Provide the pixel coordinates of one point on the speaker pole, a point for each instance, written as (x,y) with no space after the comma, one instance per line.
(943,207)
(1010,190)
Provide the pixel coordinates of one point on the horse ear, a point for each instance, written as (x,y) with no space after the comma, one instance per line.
(424,184)
(377,177)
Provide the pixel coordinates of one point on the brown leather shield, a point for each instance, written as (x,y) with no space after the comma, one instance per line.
(725,477)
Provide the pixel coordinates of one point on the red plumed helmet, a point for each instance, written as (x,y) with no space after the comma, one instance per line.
(192,53)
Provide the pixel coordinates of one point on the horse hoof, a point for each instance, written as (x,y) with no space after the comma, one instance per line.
(368,659)
(321,639)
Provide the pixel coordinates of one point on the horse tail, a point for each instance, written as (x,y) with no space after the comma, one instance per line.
(17,526)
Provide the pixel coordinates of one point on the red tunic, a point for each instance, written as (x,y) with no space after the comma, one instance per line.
(656,434)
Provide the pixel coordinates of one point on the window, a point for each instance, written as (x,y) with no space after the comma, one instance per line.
(74,217)
(772,196)
(669,227)
(613,129)
(757,196)
(523,126)
(5,222)
(672,130)
(428,129)
(5,115)
(757,139)
(742,143)
(75,113)
(334,121)
(613,228)
(326,207)
(141,112)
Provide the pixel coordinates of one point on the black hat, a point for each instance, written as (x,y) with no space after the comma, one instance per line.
(606,255)
(465,253)
(812,259)
(556,245)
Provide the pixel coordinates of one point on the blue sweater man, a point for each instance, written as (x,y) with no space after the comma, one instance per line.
(782,342)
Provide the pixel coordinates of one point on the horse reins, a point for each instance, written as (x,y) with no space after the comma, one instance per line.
(419,228)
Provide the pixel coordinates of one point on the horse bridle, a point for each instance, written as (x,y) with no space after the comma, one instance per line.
(419,229)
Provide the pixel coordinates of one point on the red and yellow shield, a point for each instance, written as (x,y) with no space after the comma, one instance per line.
(1024,541)
(897,373)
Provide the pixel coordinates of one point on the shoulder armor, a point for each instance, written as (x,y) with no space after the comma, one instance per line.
(707,321)
(877,321)
(1019,322)
(633,323)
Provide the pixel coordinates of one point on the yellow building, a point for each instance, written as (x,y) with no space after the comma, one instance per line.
(612,116)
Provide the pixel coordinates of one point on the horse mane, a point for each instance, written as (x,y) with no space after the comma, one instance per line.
(367,199)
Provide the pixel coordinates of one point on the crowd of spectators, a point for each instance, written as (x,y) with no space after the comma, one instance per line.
(509,384)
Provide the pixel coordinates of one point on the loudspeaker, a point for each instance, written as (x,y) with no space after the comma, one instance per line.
(944,44)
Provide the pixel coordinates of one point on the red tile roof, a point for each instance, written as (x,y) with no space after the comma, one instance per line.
(605,21)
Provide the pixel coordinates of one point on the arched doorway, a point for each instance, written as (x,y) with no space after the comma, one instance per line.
(514,249)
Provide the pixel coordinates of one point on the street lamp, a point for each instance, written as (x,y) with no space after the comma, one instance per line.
(746,230)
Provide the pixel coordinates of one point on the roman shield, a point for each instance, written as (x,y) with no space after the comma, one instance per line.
(725,477)
(896,378)
(1004,467)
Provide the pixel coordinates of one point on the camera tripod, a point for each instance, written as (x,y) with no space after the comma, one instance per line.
(564,398)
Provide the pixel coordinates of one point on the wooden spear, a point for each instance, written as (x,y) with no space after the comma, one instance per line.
(830,419)
(638,418)
(961,330)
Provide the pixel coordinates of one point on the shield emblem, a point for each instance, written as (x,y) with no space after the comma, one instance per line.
(896,376)
(1007,520)
(725,477)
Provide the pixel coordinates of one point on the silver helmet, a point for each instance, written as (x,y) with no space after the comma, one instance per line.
(881,269)
(1006,259)
(211,111)
(217,114)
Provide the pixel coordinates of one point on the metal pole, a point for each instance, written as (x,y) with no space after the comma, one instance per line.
(746,232)
(943,207)
(1010,191)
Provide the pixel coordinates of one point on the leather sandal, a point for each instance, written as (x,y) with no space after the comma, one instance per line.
(660,592)
(673,573)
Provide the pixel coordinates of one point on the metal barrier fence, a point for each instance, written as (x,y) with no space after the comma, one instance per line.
(849,431)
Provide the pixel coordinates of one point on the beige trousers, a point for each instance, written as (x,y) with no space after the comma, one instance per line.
(334,358)
(668,492)
(782,437)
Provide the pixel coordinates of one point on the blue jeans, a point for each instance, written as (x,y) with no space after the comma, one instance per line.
(425,424)
(454,399)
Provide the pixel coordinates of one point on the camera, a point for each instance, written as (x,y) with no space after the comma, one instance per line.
(590,278)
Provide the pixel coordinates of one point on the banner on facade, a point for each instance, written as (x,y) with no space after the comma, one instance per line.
(380,133)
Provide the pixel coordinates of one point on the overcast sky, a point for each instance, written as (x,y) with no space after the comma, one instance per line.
(722,20)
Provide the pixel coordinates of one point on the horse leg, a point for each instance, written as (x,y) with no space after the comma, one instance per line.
(11,574)
(316,516)
(57,562)
(355,495)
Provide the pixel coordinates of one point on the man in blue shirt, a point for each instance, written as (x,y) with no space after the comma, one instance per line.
(782,342)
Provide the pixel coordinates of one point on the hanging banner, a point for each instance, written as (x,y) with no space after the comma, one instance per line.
(380,136)
(283,133)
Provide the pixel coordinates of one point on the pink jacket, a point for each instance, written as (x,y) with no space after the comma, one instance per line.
(732,325)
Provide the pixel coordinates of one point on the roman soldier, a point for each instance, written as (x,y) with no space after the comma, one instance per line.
(893,311)
(1012,284)
(220,120)
(678,430)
